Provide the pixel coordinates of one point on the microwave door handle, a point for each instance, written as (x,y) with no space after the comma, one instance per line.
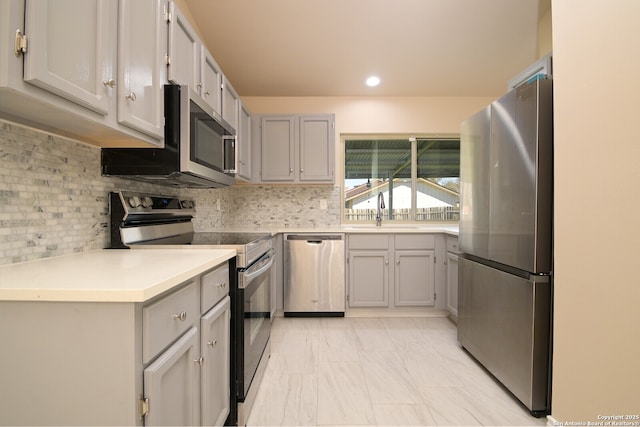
(230,164)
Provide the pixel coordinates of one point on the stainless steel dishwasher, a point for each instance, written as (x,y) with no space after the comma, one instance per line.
(314,281)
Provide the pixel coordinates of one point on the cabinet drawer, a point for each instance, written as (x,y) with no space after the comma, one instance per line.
(368,241)
(415,241)
(215,286)
(452,244)
(166,319)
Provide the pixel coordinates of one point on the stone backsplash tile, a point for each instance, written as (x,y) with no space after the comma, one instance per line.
(54,201)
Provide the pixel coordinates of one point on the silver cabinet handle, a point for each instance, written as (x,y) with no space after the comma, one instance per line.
(131,96)
(182,316)
(199,361)
(212,343)
(111,83)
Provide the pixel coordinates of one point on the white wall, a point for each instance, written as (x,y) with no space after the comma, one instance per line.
(596,360)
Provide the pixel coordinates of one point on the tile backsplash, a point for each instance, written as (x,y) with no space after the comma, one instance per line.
(54,201)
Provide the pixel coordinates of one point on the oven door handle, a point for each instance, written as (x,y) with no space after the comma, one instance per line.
(260,266)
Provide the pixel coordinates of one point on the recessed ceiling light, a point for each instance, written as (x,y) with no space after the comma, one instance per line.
(373,81)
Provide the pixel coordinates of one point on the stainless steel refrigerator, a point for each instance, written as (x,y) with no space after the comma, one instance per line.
(505,271)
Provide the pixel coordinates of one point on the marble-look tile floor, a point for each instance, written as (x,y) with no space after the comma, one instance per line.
(378,371)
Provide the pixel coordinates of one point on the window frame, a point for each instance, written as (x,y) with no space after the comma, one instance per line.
(414,174)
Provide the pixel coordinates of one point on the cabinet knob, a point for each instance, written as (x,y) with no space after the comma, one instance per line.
(111,83)
(181,317)
(222,285)
(199,361)
(131,96)
(290,170)
(398,262)
(386,262)
(212,343)
(207,93)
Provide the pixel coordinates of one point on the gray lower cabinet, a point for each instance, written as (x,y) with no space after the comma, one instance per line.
(368,278)
(452,275)
(414,273)
(391,270)
(214,348)
(171,384)
(162,362)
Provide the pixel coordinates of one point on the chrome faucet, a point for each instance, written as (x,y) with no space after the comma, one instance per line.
(380,207)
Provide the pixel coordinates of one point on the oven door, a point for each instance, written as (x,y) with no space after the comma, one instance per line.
(254,323)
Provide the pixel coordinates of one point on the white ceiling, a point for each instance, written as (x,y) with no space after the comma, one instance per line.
(329,47)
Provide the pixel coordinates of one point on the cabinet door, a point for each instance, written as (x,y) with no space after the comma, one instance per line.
(452,283)
(414,278)
(317,148)
(211,80)
(230,103)
(368,279)
(244,143)
(216,394)
(172,384)
(72,57)
(278,139)
(141,31)
(184,51)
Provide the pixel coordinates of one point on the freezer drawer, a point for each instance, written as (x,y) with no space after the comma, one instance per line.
(504,322)
(314,275)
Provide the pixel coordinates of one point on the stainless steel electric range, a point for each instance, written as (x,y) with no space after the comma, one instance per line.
(144,221)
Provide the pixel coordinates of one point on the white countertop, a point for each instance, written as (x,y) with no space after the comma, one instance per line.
(108,275)
(451,229)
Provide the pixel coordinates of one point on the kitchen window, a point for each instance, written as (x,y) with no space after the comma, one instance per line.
(419,178)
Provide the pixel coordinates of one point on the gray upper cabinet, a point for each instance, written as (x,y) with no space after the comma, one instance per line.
(141,76)
(183,51)
(190,63)
(211,80)
(277,148)
(243,144)
(71,57)
(297,148)
(95,74)
(230,103)
(317,146)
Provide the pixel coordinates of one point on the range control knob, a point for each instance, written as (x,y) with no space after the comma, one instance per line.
(187,204)
(147,202)
(134,201)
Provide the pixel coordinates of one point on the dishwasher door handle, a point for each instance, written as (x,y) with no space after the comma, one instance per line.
(314,242)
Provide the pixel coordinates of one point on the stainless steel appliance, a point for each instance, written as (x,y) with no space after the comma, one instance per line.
(199,147)
(141,221)
(505,271)
(314,275)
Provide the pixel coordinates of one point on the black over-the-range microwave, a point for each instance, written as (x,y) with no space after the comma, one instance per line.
(199,147)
